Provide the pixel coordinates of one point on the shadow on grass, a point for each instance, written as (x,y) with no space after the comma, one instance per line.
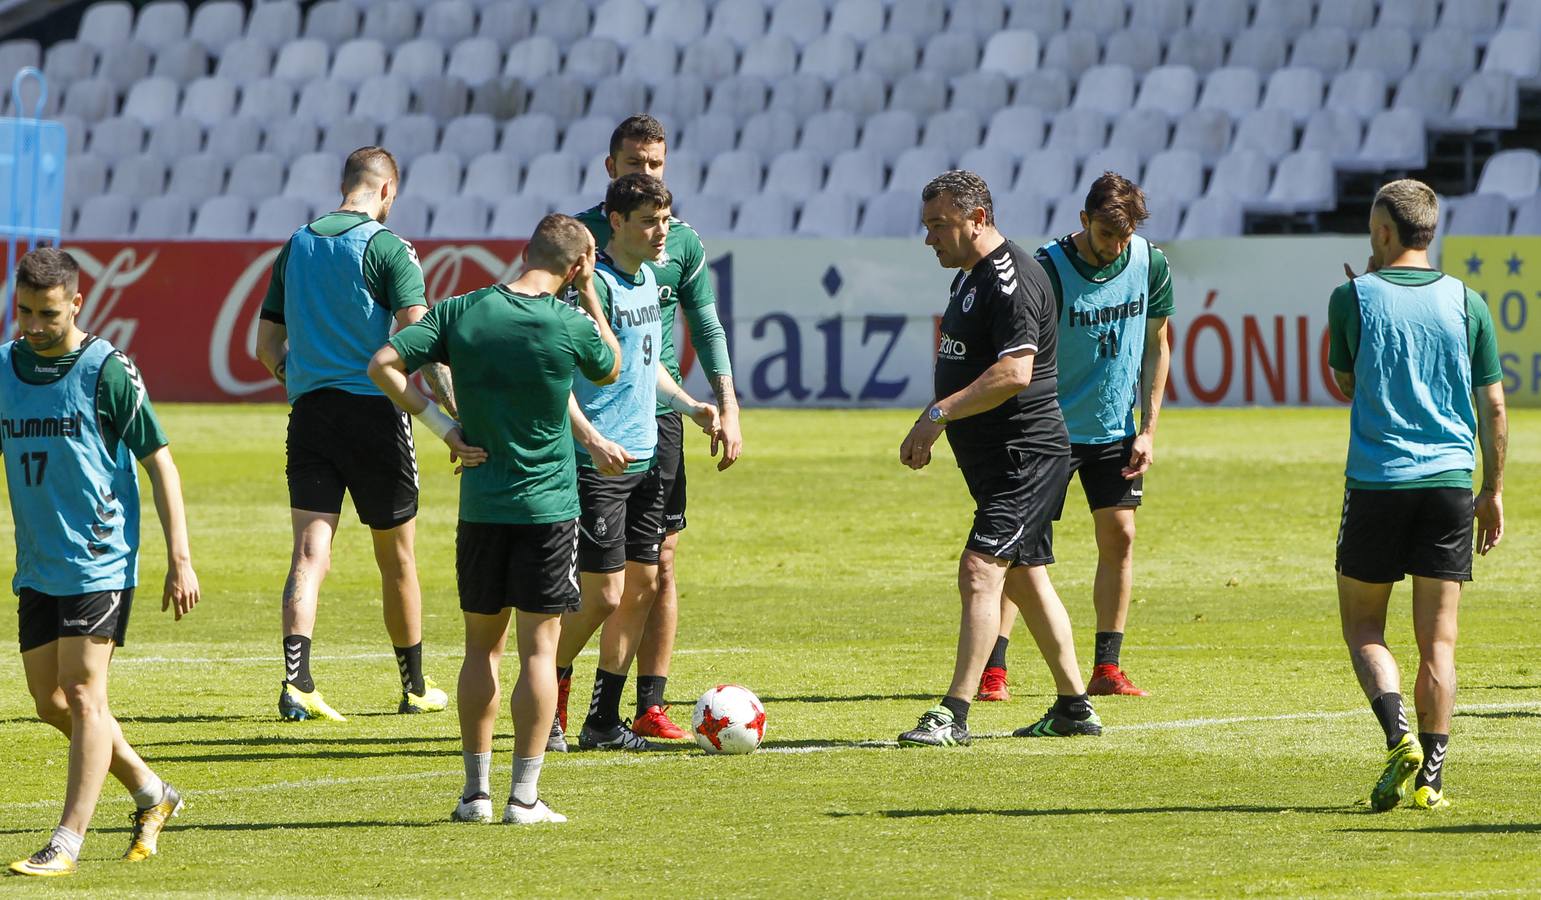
(1094,811)
(155,720)
(1501,687)
(823,744)
(1500,714)
(846,698)
(1473,828)
(255,826)
(285,755)
(272,741)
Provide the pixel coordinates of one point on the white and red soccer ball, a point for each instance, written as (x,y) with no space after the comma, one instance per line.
(728,719)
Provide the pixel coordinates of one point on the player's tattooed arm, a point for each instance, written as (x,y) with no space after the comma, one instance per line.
(438,377)
(703,414)
(728,434)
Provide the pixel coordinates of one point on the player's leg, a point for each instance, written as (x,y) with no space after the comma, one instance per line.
(476,699)
(1435,605)
(647,519)
(980,581)
(83,664)
(992,684)
(657,648)
(311,559)
(402,599)
(1030,588)
(601,568)
(1111,589)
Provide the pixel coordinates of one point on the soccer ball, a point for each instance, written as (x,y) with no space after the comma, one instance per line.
(728,719)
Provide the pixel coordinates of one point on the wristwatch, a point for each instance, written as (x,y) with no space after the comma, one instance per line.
(935,416)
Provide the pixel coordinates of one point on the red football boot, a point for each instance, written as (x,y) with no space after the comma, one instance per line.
(655,723)
(1108,680)
(564,686)
(992,685)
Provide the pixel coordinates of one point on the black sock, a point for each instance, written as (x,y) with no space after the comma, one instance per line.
(297,662)
(409,660)
(564,672)
(959,710)
(1073,706)
(1392,716)
(1433,771)
(650,690)
(1108,645)
(997,658)
(605,706)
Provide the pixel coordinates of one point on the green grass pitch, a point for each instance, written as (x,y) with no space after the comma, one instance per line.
(820,573)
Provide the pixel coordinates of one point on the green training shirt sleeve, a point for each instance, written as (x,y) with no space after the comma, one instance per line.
(698,300)
(1042,259)
(273,301)
(1485,367)
(1343,327)
(124,407)
(1161,304)
(393,273)
(423,342)
(593,356)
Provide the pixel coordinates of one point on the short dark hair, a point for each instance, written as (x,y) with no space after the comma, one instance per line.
(46,268)
(1414,210)
(642,128)
(557,243)
(1117,201)
(966,190)
(366,162)
(630,193)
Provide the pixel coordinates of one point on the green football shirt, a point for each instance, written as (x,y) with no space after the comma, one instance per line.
(391,270)
(1343,346)
(1161,303)
(683,282)
(513,358)
(122,404)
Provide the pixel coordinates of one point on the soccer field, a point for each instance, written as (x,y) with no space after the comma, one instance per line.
(820,573)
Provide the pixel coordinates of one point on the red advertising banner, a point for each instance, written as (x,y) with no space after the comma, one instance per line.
(186,311)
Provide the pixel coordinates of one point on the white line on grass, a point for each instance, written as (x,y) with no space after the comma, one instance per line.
(586,761)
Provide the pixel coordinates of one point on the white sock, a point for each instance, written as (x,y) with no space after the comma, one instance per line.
(526,779)
(68,841)
(153,792)
(478,773)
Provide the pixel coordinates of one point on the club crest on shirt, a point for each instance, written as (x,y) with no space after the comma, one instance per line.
(968,299)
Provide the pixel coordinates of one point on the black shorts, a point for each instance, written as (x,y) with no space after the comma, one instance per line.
(1101,467)
(622,519)
(671,470)
(1015,498)
(532,568)
(1387,535)
(355,443)
(43,618)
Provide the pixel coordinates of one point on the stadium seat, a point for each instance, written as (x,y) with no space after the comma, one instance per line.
(314,176)
(684,172)
(1296,90)
(382,98)
(995,165)
(181,61)
(67,62)
(255,176)
(1144,131)
(116,137)
(1107,89)
(516,215)
(920,18)
(1527,216)
(1165,215)
(893,213)
(1212,216)
(1176,176)
(1158,17)
(502,98)
(357,60)
(1100,17)
(1171,90)
(738,97)
(1322,49)
(828,214)
(1020,215)
(734,172)
(323,101)
(889,55)
(1242,174)
(1072,51)
(709,214)
(176,138)
(562,97)
(589,59)
(739,21)
(209,100)
(553,173)
(126,64)
(528,136)
(492,175)
(955,131)
(980,92)
(105,216)
(829,56)
(1232,90)
(1516,52)
(1515,174)
(163,218)
(1349,15)
(1359,91)
(710,134)
(75,135)
(152,100)
(769,57)
(1047,89)
(469,136)
(421,58)
(197,177)
(980,18)
(650,60)
(1080,131)
(1486,100)
(217,24)
(233,138)
(391,22)
(332,22)
(446,97)
(855,172)
(769,133)
(889,133)
(1011,53)
(459,217)
(1065,215)
(710,57)
(225,217)
(1334,132)
(1395,139)
(1478,18)
(562,22)
(1522,14)
(1201,51)
(1291,19)
(859,20)
(680,98)
(301,61)
(345,135)
(1122,160)
(1261,48)
(829,133)
(1479,214)
(1418,16)
(622,21)
(245,61)
(1387,49)
(279,217)
(861,93)
(85,176)
(138,176)
(795,173)
(802,94)
(1048,172)
(274,23)
(915,167)
(1016,130)
(1446,50)
(1430,92)
(1037,16)
(680,21)
(1138,49)
(509,21)
(290,139)
(950,54)
(106,25)
(765,215)
(450,21)
(921,93)
(1304,183)
(1222,17)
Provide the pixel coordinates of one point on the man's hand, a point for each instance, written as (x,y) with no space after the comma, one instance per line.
(1490,521)
(610,458)
(181,591)
(1141,455)
(1371,265)
(467,456)
(915,452)
(583,283)
(728,436)
(710,420)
